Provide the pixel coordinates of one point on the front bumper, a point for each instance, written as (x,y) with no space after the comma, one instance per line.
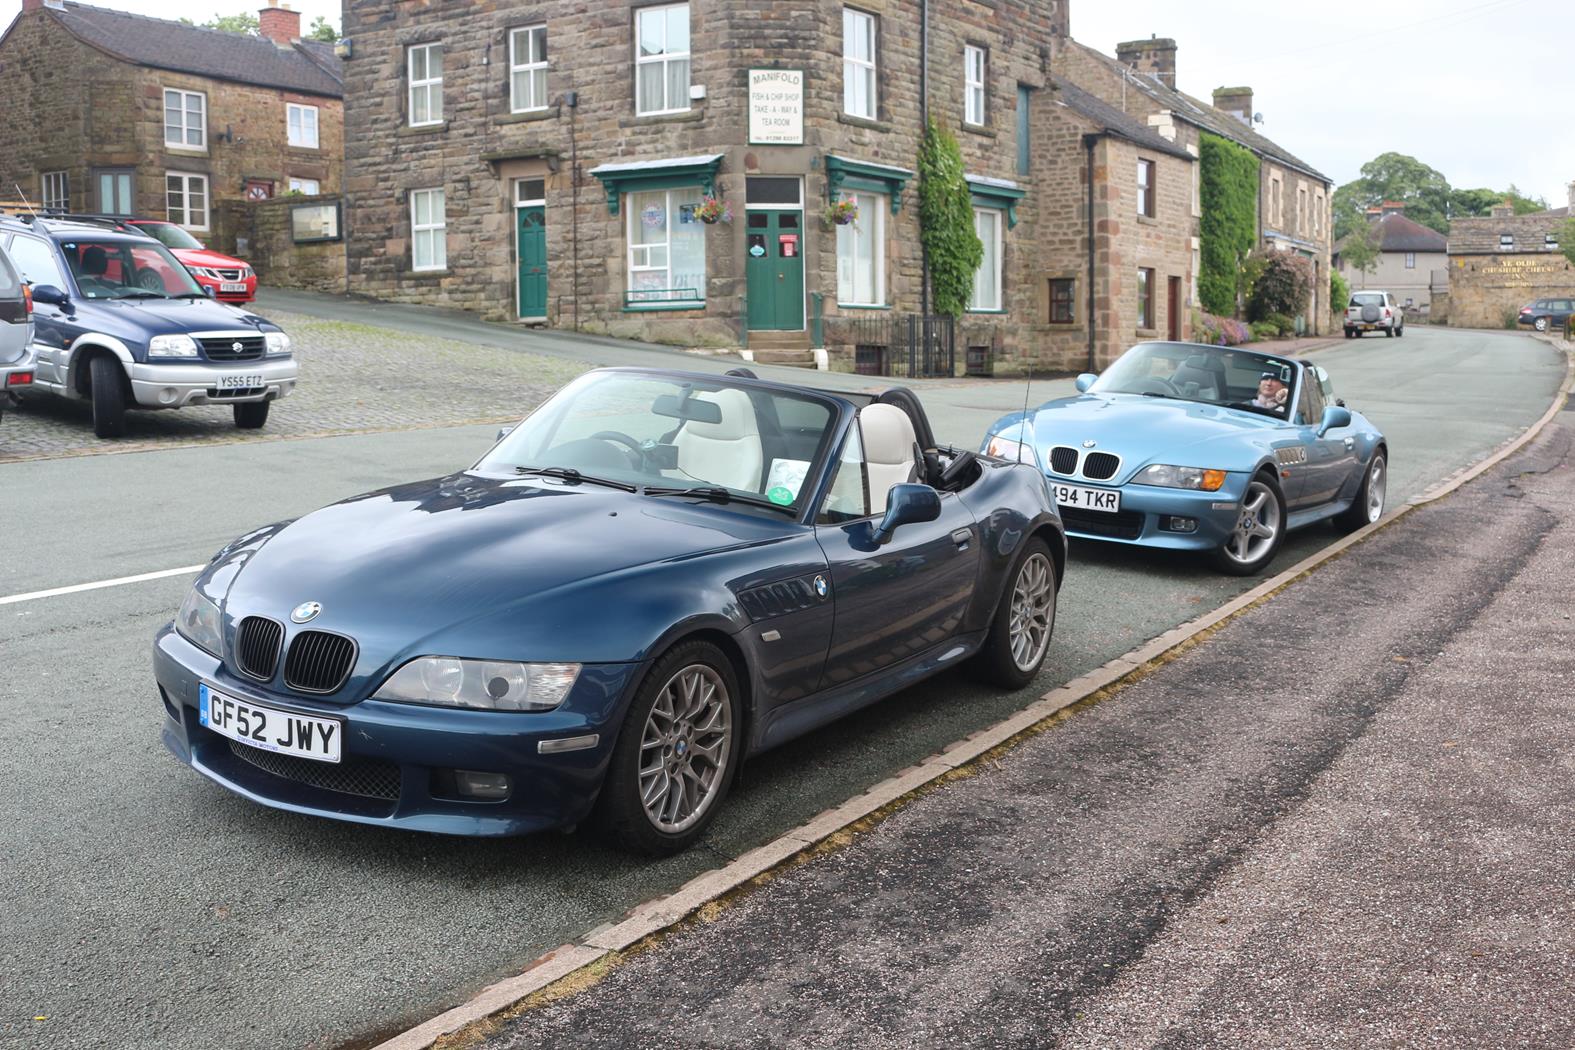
(398,759)
(1149,512)
(176,384)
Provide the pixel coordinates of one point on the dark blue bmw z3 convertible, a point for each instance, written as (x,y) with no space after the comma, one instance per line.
(654,576)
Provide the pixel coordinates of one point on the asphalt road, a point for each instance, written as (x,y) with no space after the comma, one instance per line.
(148,908)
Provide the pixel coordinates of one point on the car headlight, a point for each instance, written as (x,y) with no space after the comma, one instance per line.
(198,623)
(247,272)
(1180,477)
(278,344)
(204,271)
(1008,448)
(493,685)
(172,346)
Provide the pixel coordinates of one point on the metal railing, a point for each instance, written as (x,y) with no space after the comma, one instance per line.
(889,344)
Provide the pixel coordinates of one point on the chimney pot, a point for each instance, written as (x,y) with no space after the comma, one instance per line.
(279,24)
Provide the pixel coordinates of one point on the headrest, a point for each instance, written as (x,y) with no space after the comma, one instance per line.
(888,434)
(95,261)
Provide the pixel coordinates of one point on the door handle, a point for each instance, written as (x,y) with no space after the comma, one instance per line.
(962,537)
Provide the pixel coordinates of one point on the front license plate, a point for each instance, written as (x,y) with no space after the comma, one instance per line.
(1107,500)
(283,732)
(239,382)
(232,287)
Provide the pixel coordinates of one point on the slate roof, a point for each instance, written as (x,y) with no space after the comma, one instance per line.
(1480,235)
(1400,234)
(310,67)
(1197,112)
(1111,120)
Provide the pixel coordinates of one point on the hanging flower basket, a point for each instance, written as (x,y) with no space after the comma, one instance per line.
(842,212)
(711,210)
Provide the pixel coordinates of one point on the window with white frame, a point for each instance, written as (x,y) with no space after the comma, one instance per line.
(861,253)
(666,246)
(310,187)
(858,64)
(974,62)
(986,294)
(1410,260)
(302,123)
(424,63)
(185,119)
(428,230)
(114,190)
(186,199)
(56,190)
(527,69)
(661,59)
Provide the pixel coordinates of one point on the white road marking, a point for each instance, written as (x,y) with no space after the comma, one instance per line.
(76,588)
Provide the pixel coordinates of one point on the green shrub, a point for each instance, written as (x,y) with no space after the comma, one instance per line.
(1510,318)
(1284,287)
(1262,330)
(946,221)
(1339,293)
(1228,192)
(1283,325)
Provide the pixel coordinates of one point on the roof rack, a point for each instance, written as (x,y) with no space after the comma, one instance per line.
(114,222)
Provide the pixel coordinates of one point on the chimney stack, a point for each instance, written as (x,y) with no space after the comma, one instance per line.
(279,24)
(1237,101)
(1155,56)
(1506,210)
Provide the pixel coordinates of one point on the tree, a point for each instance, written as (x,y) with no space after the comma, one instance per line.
(1228,192)
(946,221)
(1361,248)
(322,30)
(1483,201)
(1394,177)
(1567,238)
(241,23)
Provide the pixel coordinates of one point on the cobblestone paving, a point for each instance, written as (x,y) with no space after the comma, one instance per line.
(353,378)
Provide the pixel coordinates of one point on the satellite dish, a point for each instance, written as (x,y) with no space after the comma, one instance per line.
(1257,118)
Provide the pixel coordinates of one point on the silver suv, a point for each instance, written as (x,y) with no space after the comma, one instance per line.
(1374,311)
(16,332)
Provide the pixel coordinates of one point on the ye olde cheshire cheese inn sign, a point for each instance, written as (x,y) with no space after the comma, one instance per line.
(776,107)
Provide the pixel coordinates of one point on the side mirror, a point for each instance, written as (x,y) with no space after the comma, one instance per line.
(907,505)
(1333,417)
(504,432)
(1085,381)
(213,293)
(48,293)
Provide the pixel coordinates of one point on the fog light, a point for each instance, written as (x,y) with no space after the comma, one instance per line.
(1182,524)
(490,786)
(168,395)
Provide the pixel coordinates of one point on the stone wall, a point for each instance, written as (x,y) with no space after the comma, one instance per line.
(60,97)
(1484,290)
(268,243)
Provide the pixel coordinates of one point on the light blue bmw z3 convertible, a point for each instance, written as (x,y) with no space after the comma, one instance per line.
(1208,448)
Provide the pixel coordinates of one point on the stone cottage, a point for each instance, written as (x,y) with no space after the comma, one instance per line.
(1500,263)
(1409,255)
(122,114)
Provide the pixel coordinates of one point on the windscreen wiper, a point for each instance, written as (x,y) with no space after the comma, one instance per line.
(717,494)
(569,474)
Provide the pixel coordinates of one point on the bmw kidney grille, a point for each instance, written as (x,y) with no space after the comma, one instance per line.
(318,662)
(257,641)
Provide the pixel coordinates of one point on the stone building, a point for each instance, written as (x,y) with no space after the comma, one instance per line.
(1500,263)
(123,114)
(1409,254)
(545,161)
(1294,208)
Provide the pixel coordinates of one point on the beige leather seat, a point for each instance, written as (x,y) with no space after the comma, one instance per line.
(890,450)
(727,452)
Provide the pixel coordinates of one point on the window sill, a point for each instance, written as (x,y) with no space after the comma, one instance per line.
(647,308)
(527,116)
(1148,220)
(971,310)
(983,130)
(186,151)
(863,122)
(1148,333)
(424,275)
(422,129)
(862,306)
(678,117)
(310,151)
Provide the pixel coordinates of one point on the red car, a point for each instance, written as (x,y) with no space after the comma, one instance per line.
(229,279)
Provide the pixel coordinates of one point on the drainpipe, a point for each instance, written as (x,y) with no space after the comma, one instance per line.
(572,100)
(1088,145)
(924,126)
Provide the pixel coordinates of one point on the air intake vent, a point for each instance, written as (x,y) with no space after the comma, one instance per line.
(1063,460)
(367,778)
(319,662)
(777,599)
(257,642)
(1100,466)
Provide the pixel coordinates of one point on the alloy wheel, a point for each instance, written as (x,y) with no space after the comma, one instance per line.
(1257,525)
(1377,479)
(1033,611)
(685,747)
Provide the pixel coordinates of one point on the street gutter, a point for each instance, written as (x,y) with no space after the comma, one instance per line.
(565,969)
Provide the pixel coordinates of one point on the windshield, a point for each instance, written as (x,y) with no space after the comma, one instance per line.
(665,433)
(127,270)
(172,236)
(1214,375)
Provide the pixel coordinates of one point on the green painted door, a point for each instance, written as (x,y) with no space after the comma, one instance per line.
(532,232)
(774,270)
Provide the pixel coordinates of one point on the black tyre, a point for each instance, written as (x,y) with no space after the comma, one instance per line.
(1368,506)
(1400,331)
(1260,528)
(1014,650)
(1389,333)
(108,391)
(250,415)
(1350,333)
(676,753)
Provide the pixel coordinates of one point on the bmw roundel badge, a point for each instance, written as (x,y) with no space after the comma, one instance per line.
(305,611)
(1090,443)
(822,588)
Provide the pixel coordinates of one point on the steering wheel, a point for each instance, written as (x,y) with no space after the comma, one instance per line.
(637,451)
(1154,385)
(151,280)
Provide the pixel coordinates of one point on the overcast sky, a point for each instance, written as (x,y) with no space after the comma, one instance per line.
(1479,89)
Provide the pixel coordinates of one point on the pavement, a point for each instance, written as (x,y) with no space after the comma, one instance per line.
(148,908)
(1343,820)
